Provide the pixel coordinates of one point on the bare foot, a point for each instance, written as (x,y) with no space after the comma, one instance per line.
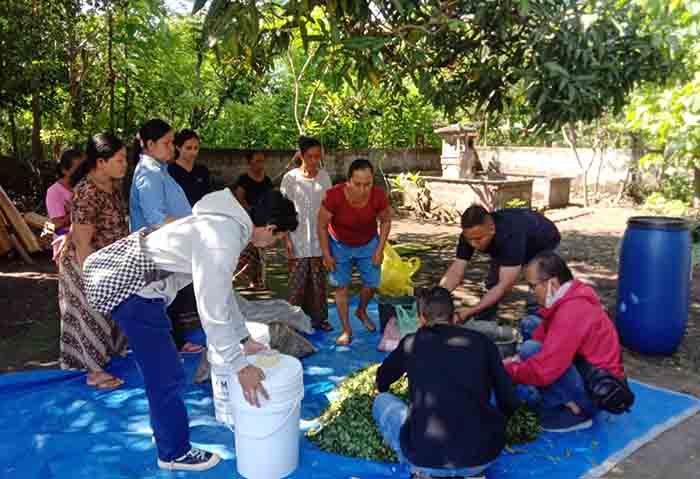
(344,339)
(103,380)
(361,314)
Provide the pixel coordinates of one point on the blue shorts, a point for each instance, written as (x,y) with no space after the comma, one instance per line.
(345,256)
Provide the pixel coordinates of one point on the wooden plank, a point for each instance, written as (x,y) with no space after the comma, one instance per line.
(15,243)
(37,221)
(25,234)
(5,244)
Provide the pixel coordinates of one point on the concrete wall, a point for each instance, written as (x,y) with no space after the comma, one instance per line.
(460,194)
(227,164)
(557,162)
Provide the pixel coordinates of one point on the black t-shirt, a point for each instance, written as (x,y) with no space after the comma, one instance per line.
(195,183)
(520,235)
(452,372)
(253,189)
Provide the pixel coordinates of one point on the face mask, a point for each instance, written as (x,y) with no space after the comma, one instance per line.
(550,297)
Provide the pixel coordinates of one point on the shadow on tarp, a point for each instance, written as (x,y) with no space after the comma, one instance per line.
(53,426)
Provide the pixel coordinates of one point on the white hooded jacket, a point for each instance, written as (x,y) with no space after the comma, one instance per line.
(203,249)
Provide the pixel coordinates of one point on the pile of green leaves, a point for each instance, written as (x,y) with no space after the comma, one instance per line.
(523,426)
(347,428)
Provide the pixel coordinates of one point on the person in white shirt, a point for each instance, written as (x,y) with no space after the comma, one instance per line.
(306,186)
(201,249)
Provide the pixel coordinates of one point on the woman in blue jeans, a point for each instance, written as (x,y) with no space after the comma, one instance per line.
(347,231)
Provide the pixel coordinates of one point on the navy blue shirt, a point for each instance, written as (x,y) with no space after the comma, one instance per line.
(452,372)
(195,183)
(521,234)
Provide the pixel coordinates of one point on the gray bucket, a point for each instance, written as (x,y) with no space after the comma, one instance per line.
(505,337)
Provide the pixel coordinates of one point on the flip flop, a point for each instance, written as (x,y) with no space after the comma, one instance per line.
(344,340)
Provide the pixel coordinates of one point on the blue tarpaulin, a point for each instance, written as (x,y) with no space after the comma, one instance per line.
(54,427)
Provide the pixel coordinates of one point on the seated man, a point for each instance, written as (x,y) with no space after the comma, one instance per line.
(511,237)
(451,428)
(575,326)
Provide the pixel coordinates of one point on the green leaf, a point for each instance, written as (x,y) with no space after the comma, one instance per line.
(555,67)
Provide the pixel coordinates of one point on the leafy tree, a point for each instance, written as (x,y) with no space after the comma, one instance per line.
(668,116)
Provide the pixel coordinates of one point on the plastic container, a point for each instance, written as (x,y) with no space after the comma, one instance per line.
(387,307)
(222,379)
(654,284)
(505,337)
(268,437)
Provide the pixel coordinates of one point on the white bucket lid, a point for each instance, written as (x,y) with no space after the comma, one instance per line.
(284,380)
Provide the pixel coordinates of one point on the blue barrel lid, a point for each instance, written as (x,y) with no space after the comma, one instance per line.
(658,222)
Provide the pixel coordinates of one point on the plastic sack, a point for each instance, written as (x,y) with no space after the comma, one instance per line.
(397,273)
(390,338)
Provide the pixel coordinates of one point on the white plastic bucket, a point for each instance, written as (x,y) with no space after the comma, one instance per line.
(223,379)
(267,438)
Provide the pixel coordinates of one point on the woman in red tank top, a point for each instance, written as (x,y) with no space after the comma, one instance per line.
(347,229)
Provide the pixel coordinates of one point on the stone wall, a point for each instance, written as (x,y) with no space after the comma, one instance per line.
(227,164)
(557,162)
(460,194)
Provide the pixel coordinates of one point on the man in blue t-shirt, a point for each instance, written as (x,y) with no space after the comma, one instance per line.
(511,237)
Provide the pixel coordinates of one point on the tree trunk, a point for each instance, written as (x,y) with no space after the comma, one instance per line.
(126,70)
(37,147)
(696,187)
(197,114)
(570,136)
(74,90)
(13,132)
(112,79)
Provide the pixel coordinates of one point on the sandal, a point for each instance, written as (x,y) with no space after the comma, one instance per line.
(191,348)
(344,339)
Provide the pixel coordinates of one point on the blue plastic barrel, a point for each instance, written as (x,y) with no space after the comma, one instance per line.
(654,284)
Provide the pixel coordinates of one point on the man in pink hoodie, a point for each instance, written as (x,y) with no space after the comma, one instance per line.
(574,326)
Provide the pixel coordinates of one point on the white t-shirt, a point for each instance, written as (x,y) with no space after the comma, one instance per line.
(307,194)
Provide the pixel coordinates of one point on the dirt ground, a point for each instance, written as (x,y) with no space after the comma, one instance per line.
(29,322)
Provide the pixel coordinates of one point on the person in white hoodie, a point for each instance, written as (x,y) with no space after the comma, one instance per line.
(201,249)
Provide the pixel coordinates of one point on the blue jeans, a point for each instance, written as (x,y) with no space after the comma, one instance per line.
(390,413)
(528,325)
(345,256)
(147,327)
(569,387)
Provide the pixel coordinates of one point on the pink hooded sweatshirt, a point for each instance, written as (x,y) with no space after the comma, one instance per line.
(576,324)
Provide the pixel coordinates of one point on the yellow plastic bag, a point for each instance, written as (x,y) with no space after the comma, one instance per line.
(397,273)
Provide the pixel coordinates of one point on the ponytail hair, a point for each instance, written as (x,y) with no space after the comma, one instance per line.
(152,130)
(101,146)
